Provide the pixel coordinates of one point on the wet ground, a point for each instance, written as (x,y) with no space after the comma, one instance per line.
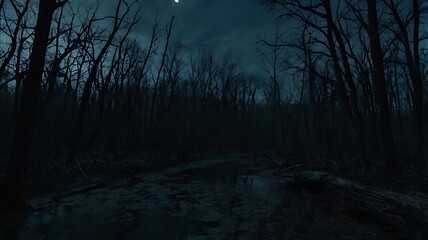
(229,197)
(216,198)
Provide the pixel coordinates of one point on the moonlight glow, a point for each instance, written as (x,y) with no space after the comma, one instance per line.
(177,1)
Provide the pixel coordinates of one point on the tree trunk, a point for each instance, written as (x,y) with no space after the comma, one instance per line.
(378,77)
(12,189)
(418,86)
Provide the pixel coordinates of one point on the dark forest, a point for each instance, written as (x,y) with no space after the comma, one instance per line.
(277,119)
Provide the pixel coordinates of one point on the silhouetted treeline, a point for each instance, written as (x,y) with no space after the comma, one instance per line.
(362,64)
(348,83)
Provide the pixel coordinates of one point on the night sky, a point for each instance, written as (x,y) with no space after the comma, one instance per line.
(212,25)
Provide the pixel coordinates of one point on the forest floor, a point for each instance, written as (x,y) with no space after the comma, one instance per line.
(234,196)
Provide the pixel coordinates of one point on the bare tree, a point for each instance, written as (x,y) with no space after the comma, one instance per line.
(272,66)
(157,78)
(74,39)
(12,188)
(408,34)
(120,21)
(13,34)
(387,140)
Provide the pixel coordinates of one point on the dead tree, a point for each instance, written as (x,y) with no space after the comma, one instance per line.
(74,39)
(13,34)
(105,82)
(119,22)
(157,79)
(12,188)
(378,77)
(408,34)
(272,67)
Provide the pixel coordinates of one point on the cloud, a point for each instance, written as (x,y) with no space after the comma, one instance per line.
(210,25)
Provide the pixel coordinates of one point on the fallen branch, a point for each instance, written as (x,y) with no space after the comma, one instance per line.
(83,189)
(399,213)
(80,168)
(277,163)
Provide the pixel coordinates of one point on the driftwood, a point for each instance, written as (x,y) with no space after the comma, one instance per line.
(83,189)
(401,214)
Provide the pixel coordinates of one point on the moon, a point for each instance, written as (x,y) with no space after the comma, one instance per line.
(177,1)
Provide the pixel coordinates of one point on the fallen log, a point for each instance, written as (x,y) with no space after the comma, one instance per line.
(401,214)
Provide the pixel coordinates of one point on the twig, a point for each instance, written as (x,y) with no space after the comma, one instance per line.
(80,168)
(334,170)
(271,159)
(301,165)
